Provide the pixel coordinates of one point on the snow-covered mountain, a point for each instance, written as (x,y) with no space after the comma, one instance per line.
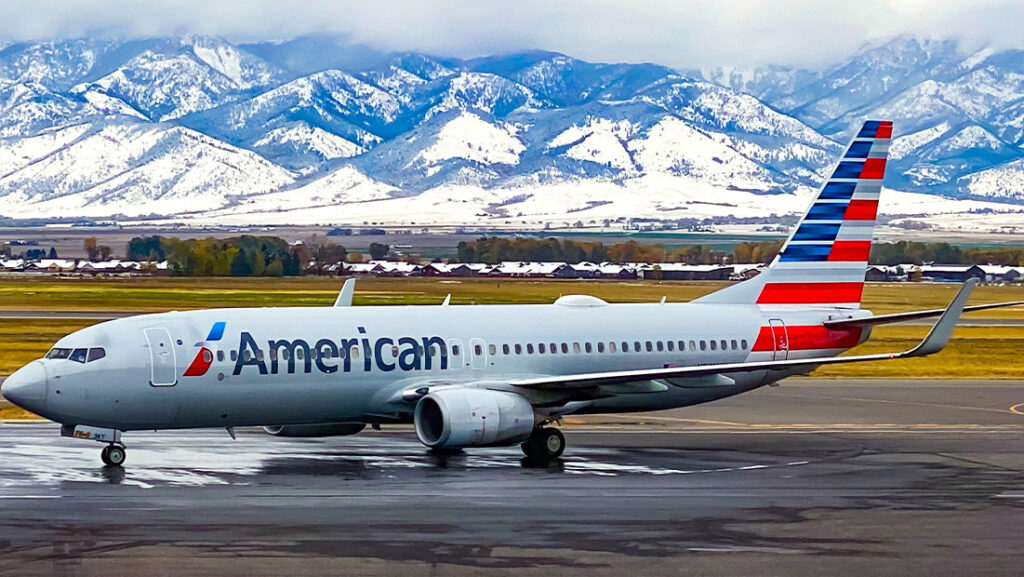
(314,130)
(959,117)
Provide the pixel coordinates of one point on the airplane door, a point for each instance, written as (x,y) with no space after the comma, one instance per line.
(163,368)
(477,353)
(780,339)
(455,353)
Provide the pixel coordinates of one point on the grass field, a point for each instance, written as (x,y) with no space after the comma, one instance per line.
(976,352)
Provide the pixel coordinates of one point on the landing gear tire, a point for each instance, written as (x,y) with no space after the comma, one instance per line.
(113,456)
(546,443)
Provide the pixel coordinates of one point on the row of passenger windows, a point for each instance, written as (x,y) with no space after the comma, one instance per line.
(614,347)
(528,349)
(77,355)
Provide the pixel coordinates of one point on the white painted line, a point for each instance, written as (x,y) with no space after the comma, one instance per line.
(1010,496)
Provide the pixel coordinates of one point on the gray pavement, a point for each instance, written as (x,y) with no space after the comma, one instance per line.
(811,478)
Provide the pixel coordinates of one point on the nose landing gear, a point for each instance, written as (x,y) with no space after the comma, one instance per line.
(113,455)
(544,443)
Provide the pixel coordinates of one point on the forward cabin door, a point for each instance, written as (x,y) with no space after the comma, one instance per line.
(163,366)
(780,340)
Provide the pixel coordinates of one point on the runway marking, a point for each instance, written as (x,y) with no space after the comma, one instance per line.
(1010,496)
(886,401)
(30,496)
(583,419)
(1016,409)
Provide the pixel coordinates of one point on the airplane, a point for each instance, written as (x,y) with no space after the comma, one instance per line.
(484,375)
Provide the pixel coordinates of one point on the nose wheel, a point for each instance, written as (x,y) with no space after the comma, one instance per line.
(544,443)
(113,455)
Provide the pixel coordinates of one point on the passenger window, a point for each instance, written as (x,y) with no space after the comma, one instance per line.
(285,354)
(299,354)
(96,354)
(553,348)
(541,349)
(565,348)
(743,343)
(733,343)
(636,346)
(247,356)
(477,350)
(273,354)
(576,347)
(355,353)
(394,350)
(519,349)
(529,348)
(611,347)
(455,350)
(660,346)
(714,344)
(220,356)
(703,345)
(313,354)
(649,346)
(78,355)
(492,350)
(504,349)
(725,345)
(600,347)
(58,354)
(625,347)
(693,346)
(259,355)
(588,347)
(234,356)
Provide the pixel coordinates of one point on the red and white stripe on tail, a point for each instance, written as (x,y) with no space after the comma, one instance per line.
(823,262)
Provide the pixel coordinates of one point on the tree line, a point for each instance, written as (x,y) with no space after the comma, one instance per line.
(247,255)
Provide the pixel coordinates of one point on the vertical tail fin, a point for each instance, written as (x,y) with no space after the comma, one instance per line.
(823,262)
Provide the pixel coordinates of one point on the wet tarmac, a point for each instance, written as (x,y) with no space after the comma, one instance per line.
(811,478)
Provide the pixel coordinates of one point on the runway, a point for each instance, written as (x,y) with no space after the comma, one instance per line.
(810,478)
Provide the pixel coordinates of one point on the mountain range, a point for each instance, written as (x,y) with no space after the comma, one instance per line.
(315,130)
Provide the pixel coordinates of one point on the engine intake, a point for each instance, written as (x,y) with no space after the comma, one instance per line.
(455,418)
(315,430)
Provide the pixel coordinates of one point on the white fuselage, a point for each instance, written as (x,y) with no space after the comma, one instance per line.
(282,366)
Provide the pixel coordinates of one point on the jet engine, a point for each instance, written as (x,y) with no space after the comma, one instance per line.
(455,418)
(315,430)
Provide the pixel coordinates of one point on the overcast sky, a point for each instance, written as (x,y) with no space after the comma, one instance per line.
(676,33)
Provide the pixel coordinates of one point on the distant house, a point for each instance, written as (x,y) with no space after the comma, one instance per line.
(951,272)
(679,271)
(999,273)
(12,265)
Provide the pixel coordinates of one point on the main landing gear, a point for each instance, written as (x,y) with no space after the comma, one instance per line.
(544,443)
(113,455)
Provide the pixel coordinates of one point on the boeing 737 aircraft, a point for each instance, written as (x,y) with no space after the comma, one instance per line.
(477,376)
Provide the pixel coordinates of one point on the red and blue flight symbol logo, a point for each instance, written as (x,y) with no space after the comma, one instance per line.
(204,358)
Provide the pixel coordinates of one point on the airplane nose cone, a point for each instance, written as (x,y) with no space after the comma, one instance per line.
(26,387)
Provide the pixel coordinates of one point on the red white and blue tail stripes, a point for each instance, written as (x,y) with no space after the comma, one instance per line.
(824,261)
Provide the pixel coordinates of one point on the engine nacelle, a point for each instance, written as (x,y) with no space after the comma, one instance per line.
(454,418)
(315,430)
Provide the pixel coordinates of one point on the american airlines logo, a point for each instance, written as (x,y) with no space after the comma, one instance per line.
(346,355)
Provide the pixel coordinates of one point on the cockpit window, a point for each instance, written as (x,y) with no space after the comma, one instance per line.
(78,355)
(96,353)
(58,354)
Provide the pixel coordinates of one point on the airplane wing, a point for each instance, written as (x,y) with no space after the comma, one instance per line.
(933,343)
(912,316)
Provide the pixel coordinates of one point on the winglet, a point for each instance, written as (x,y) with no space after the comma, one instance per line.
(447,300)
(943,329)
(345,296)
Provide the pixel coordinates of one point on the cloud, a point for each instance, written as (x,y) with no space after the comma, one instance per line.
(683,34)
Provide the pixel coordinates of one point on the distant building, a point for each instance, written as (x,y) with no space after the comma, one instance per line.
(951,272)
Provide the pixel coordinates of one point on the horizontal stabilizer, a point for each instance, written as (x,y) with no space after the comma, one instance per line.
(913,316)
